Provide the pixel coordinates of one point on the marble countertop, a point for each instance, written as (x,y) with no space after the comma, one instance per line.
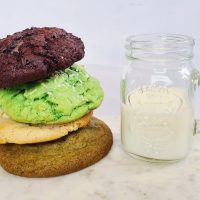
(116,177)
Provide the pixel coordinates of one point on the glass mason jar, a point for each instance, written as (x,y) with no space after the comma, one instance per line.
(157,87)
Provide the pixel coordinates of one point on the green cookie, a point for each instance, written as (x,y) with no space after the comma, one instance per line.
(64,97)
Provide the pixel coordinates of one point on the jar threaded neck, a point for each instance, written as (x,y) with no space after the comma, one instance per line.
(160,47)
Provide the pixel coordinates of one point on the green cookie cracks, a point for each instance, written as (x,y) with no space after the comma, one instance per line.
(64,97)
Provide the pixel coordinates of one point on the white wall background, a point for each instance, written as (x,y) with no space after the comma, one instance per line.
(104,24)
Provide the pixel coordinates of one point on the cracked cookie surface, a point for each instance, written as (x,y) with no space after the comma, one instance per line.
(36,53)
(64,97)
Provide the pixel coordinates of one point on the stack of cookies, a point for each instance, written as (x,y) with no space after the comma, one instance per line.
(46,123)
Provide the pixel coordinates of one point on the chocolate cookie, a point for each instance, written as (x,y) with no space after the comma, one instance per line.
(68,154)
(36,53)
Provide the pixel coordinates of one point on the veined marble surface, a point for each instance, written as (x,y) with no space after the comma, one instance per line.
(116,177)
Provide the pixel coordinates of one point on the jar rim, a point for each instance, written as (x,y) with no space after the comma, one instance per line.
(160,46)
(162,38)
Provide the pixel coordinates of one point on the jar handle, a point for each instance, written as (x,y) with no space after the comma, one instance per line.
(196,83)
(197,127)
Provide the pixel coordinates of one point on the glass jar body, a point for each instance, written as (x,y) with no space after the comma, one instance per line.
(157,120)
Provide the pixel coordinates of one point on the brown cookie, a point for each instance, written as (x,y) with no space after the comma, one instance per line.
(66,155)
(36,53)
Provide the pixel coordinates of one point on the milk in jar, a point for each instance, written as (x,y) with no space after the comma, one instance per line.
(157,123)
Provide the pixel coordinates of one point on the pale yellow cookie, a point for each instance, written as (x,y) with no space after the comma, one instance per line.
(20,133)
